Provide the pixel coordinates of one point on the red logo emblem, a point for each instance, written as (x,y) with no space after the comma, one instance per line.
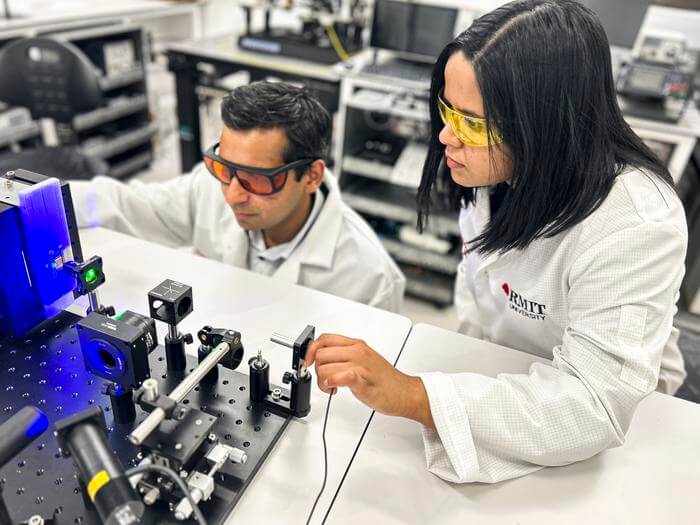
(506,288)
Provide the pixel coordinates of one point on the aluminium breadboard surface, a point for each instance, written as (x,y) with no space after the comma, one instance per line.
(45,369)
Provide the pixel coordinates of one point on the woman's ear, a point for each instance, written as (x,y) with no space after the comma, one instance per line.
(313,177)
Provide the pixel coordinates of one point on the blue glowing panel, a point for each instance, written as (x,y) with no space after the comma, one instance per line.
(20,308)
(47,245)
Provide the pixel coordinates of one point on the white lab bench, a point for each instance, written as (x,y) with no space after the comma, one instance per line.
(653,478)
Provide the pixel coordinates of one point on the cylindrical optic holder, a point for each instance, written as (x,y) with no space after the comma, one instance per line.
(15,434)
(300,395)
(20,430)
(83,436)
(175,356)
(259,378)
(122,400)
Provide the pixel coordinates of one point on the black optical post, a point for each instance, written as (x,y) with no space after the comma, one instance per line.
(170,302)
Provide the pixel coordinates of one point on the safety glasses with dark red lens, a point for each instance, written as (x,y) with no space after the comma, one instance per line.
(260,181)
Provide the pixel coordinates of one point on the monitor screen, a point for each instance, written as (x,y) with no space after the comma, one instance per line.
(647,79)
(621,19)
(412,28)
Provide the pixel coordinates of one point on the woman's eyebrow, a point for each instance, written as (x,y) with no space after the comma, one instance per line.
(462,110)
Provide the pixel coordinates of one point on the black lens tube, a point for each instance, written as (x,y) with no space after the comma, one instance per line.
(106,483)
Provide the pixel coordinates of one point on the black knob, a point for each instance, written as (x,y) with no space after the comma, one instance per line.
(287,377)
(188,339)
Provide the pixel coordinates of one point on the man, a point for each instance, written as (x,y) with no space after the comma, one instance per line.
(263,200)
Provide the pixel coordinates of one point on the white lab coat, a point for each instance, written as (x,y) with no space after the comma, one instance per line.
(340,254)
(598,300)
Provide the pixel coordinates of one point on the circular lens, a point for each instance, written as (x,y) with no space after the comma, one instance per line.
(143,324)
(91,275)
(184,306)
(107,358)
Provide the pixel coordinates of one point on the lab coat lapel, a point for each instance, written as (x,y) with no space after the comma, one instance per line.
(236,253)
(318,247)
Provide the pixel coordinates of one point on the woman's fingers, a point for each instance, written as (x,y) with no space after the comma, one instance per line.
(325,340)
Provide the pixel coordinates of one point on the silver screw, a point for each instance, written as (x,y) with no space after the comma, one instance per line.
(184,474)
(178,446)
(35,520)
(11,175)
(276,394)
(198,422)
(212,438)
(150,389)
(152,496)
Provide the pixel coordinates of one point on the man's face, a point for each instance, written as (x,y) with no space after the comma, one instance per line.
(260,148)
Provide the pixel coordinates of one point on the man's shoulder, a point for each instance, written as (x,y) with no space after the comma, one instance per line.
(357,237)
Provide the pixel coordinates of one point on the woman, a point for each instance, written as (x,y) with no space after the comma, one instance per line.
(574,250)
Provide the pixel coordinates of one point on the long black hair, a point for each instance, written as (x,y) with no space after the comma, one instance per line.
(545,75)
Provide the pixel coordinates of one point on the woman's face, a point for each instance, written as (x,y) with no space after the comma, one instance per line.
(470,166)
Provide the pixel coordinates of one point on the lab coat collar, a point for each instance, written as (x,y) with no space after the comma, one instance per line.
(318,248)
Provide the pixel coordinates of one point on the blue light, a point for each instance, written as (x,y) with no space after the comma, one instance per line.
(94,352)
(37,426)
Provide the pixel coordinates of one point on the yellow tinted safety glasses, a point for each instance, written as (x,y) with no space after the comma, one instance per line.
(471,131)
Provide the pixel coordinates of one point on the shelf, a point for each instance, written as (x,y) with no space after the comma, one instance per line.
(405,172)
(131,165)
(405,253)
(117,108)
(397,204)
(367,168)
(109,147)
(19,133)
(117,81)
(383,102)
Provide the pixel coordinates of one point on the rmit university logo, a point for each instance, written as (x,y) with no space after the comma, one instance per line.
(522,306)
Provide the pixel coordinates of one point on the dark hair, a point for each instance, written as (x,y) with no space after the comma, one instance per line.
(545,75)
(270,105)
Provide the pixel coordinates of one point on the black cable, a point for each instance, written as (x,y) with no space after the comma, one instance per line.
(362,437)
(325,460)
(178,481)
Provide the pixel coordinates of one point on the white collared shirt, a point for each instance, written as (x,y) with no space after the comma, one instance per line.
(264,260)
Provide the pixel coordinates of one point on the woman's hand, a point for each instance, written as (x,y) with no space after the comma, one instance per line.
(342,361)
